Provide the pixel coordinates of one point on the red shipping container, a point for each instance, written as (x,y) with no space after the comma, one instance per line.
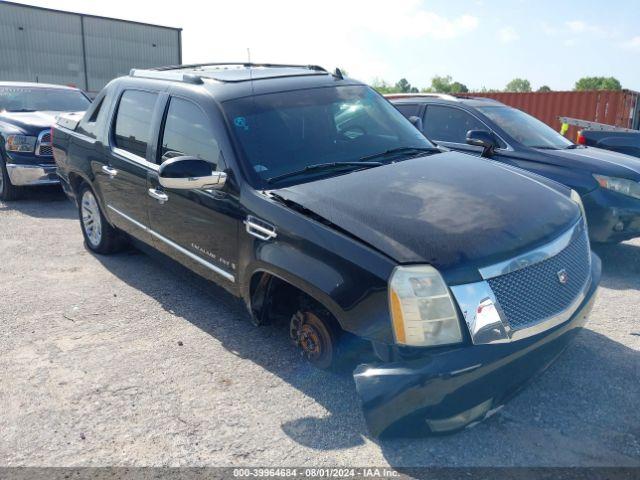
(620,108)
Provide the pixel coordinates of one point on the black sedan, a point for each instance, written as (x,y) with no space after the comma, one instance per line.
(608,182)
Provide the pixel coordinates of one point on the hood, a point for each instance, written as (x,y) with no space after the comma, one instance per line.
(597,160)
(451,210)
(29,122)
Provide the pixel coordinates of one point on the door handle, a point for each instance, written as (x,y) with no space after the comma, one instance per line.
(158,195)
(112,172)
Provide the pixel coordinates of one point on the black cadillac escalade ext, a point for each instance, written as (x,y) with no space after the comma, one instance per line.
(311,197)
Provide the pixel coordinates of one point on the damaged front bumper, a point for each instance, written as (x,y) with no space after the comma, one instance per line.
(450,389)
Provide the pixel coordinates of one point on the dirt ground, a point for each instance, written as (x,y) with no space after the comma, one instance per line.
(130,360)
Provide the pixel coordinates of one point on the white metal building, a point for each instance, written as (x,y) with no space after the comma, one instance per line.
(86,51)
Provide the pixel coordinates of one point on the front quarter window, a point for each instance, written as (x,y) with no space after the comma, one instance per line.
(285,132)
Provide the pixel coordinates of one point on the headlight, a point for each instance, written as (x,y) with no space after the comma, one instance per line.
(620,185)
(575,196)
(422,310)
(20,143)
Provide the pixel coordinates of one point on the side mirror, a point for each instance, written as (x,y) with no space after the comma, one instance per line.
(186,173)
(416,122)
(484,139)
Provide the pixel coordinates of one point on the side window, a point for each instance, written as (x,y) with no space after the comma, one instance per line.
(408,109)
(133,121)
(188,131)
(447,124)
(87,125)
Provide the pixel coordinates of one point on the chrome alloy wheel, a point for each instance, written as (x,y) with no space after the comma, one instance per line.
(91,221)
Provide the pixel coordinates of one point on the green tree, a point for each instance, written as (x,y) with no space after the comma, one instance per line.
(403,86)
(488,90)
(383,87)
(445,85)
(544,88)
(457,87)
(598,83)
(518,85)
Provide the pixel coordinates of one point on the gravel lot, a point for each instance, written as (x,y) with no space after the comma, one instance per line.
(131,360)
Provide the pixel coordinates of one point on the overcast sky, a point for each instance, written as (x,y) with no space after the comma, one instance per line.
(478,42)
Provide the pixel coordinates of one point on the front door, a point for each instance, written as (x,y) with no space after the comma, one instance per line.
(123,180)
(448,126)
(198,228)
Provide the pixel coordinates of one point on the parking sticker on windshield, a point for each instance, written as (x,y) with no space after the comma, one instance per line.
(241,122)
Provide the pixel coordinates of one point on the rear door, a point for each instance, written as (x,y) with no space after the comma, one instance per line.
(198,228)
(123,179)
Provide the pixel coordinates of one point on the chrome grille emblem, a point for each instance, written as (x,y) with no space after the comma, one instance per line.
(563,276)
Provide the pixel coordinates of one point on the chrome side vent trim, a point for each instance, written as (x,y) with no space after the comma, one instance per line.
(259,228)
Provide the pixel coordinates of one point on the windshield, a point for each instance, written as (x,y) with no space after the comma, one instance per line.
(285,132)
(524,128)
(26,99)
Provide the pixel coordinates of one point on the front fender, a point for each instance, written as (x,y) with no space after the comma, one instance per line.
(285,272)
(345,276)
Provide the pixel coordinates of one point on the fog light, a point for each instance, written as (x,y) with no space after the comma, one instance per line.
(618,227)
(461,419)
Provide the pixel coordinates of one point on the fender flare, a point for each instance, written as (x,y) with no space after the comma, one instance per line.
(84,178)
(281,272)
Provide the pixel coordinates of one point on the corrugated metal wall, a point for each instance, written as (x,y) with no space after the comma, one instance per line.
(113,48)
(619,108)
(42,45)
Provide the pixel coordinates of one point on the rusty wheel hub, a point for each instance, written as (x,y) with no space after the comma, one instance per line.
(310,342)
(312,337)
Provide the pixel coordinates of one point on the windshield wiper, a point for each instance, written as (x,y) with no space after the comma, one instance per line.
(549,147)
(21,110)
(393,151)
(573,146)
(324,166)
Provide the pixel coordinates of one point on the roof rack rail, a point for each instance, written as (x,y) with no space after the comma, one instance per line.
(444,96)
(197,72)
(316,68)
(178,77)
(475,96)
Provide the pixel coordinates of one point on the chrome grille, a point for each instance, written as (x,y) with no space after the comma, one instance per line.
(43,145)
(535,293)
